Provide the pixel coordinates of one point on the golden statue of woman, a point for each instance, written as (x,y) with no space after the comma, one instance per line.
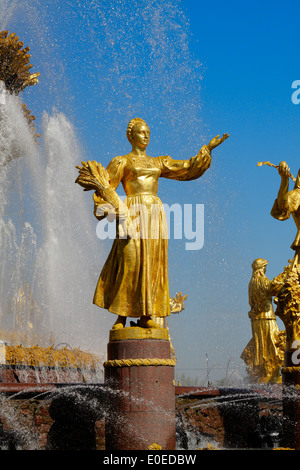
(134,280)
(286,204)
(266,337)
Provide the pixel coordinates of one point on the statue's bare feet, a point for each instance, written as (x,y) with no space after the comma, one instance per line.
(120,323)
(147,322)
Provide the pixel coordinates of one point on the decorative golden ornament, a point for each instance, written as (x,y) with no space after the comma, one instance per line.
(15,71)
(154,446)
(14,64)
(177,303)
(138,333)
(37,356)
(144,362)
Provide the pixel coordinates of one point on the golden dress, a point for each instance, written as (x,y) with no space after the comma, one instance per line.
(265,331)
(134,279)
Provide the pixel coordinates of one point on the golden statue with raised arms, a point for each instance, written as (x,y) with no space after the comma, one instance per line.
(286,204)
(134,280)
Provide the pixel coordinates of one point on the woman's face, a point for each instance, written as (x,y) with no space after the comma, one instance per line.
(141,135)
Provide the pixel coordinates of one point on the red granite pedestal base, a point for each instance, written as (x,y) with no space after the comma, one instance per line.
(139,376)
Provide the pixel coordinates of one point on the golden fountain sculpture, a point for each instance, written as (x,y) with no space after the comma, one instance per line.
(264,354)
(15,71)
(134,280)
(286,204)
(37,356)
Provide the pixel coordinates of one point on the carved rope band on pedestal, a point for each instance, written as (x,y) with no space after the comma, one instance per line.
(139,362)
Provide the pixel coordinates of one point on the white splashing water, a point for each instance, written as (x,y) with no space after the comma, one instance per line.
(17,237)
(47,270)
(69,239)
(8,8)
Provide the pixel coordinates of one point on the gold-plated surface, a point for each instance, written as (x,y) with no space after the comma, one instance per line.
(48,357)
(142,362)
(154,446)
(288,307)
(286,204)
(134,280)
(14,64)
(177,303)
(138,333)
(15,72)
(264,354)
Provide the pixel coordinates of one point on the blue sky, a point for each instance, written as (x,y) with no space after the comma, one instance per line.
(192,70)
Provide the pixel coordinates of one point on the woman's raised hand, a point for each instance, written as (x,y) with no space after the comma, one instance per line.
(284,170)
(217,141)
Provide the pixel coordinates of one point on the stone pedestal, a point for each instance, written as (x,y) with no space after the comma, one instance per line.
(139,378)
(291,401)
